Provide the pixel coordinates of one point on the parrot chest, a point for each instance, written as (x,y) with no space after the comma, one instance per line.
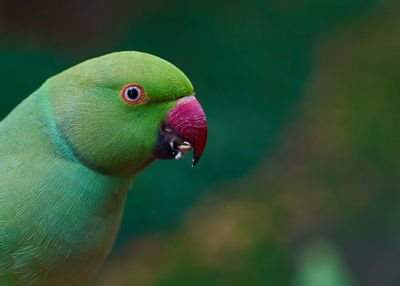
(57,226)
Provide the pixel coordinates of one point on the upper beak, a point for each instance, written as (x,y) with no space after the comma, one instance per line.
(184,129)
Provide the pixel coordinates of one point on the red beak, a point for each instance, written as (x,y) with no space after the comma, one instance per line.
(184,129)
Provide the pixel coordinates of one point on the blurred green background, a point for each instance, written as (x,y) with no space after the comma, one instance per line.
(299,183)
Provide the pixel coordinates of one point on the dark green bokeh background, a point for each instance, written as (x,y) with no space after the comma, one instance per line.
(299,181)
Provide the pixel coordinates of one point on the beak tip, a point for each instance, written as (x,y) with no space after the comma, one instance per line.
(194,161)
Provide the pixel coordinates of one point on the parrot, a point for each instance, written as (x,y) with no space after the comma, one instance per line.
(69,154)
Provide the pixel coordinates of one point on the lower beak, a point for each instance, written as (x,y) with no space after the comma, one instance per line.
(184,129)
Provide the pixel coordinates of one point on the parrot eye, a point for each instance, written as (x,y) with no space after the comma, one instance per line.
(132,94)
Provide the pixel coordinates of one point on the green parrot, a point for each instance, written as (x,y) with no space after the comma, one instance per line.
(69,153)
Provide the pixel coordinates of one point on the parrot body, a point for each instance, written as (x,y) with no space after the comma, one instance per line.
(69,153)
(58,218)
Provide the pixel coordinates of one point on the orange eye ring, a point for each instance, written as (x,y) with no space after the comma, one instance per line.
(132,94)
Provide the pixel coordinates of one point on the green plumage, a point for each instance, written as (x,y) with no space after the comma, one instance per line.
(69,153)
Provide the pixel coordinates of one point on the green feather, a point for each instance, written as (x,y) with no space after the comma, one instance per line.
(69,154)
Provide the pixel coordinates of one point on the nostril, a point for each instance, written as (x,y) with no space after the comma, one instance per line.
(167,129)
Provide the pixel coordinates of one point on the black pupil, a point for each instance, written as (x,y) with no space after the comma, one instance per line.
(133,93)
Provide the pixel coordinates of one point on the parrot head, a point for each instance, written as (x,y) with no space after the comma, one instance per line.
(119,112)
